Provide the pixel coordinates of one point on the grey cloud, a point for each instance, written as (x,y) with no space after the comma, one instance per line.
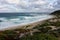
(32,5)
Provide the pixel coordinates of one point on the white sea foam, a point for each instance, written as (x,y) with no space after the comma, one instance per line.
(3,19)
(7,23)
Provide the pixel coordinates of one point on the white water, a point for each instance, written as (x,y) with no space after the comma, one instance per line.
(21,20)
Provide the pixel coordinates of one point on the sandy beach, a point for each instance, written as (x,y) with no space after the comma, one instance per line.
(23,26)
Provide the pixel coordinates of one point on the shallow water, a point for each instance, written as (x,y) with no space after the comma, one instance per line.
(6,22)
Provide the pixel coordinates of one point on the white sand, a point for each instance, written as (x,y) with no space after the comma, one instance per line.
(24,24)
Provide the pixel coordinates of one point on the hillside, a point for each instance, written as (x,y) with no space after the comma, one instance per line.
(56,12)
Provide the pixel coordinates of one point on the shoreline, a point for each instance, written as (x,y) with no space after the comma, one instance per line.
(21,26)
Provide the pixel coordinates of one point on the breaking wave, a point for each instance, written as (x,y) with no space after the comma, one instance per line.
(15,20)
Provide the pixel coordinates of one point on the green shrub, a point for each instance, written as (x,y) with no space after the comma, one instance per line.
(39,36)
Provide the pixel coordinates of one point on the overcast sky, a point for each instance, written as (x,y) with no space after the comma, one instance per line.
(29,5)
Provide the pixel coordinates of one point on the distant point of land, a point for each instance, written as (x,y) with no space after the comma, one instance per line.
(56,12)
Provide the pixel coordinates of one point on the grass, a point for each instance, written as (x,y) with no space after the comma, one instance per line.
(45,32)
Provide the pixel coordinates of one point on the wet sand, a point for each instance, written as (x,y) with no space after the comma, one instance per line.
(31,24)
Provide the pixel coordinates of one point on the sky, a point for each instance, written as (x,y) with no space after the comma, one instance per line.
(29,5)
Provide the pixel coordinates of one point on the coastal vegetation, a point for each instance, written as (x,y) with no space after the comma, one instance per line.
(49,30)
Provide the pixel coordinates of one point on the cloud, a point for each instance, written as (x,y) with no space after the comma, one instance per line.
(42,5)
(13,1)
(28,5)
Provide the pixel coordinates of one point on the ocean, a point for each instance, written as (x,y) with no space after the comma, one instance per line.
(11,19)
